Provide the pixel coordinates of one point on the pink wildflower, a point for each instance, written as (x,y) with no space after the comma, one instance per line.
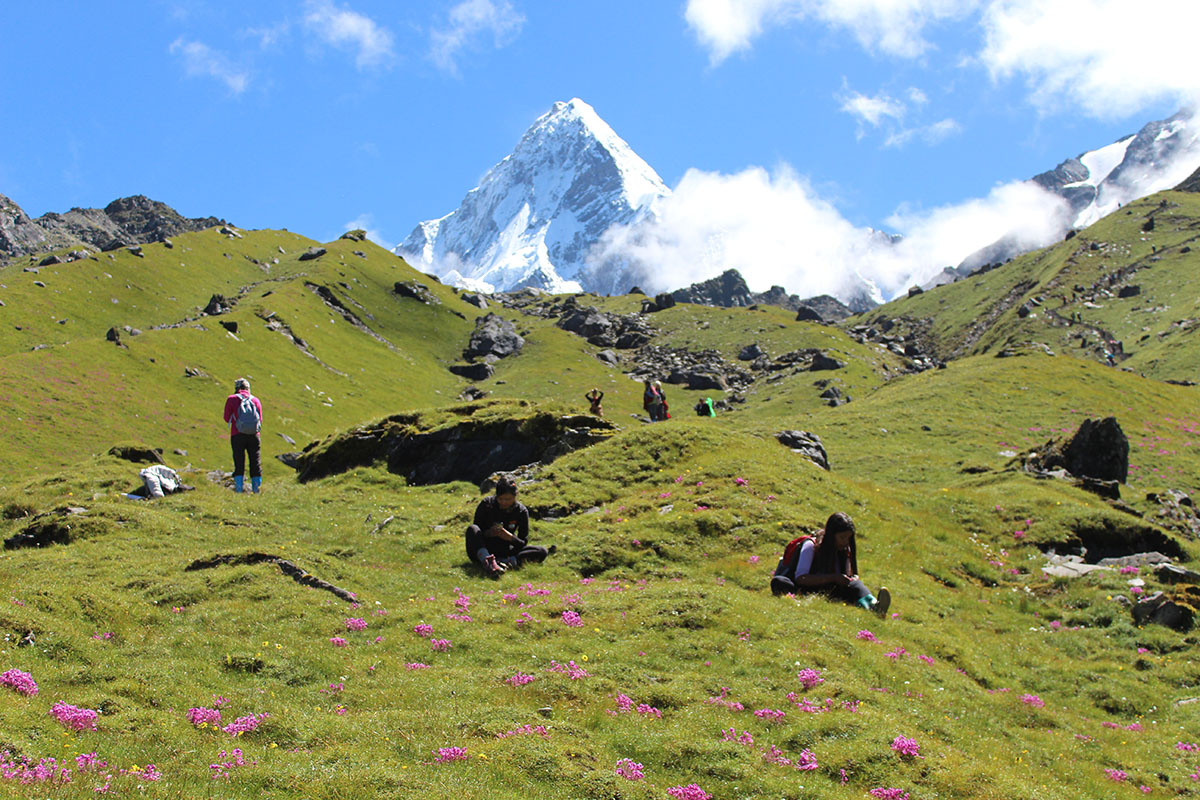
(926,659)
(440,645)
(731,735)
(1033,700)
(770,714)
(806,760)
(423,630)
(881,793)
(572,671)
(630,770)
(337,641)
(519,679)
(80,719)
(416,666)
(356,624)
(810,678)
(572,619)
(866,636)
(689,792)
(1188,747)
(1116,775)
(907,747)
(526,730)
(1128,570)
(740,481)
(203,716)
(899,652)
(246,724)
(89,761)
(754,559)
(21,682)
(446,754)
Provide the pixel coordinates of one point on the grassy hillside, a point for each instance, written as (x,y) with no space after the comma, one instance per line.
(651,635)
(1072,293)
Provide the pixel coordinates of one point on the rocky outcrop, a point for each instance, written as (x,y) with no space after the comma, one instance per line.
(122,223)
(623,331)
(1161,609)
(806,444)
(480,439)
(902,336)
(493,336)
(700,369)
(415,291)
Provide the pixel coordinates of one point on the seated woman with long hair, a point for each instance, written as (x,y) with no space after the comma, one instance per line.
(828,562)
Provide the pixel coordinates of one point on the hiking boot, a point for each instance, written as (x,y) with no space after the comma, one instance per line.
(552,549)
(883,602)
(510,563)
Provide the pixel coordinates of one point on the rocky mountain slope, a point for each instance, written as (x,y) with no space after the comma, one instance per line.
(124,222)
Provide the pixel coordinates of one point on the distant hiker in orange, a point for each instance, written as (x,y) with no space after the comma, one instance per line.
(827,562)
(594,397)
(243,412)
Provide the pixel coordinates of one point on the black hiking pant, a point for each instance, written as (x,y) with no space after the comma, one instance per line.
(246,444)
(479,547)
(850,593)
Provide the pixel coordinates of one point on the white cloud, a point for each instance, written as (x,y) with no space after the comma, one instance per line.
(872,110)
(470,20)
(201,60)
(930,134)
(776,229)
(1110,57)
(346,29)
(366,222)
(269,36)
(894,27)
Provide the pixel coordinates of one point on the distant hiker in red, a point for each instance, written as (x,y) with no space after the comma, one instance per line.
(243,412)
(827,562)
(594,397)
(652,400)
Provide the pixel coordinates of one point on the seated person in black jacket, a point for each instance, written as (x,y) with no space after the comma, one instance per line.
(499,537)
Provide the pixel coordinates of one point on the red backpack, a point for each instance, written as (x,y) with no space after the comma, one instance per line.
(791,553)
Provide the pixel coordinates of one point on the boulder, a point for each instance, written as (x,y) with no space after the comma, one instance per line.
(704,381)
(113,335)
(821,361)
(312,252)
(218,304)
(608,357)
(751,352)
(494,335)
(1133,290)
(1100,450)
(136,250)
(663,301)
(50,261)
(1160,609)
(415,291)
(806,444)
(229,325)
(913,291)
(1171,574)
(806,314)
(476,300)
(479,371)
(356,235)
(835,397)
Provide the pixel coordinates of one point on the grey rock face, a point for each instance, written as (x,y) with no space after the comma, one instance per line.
(311,253)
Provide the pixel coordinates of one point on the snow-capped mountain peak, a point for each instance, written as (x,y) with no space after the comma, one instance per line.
(535,215)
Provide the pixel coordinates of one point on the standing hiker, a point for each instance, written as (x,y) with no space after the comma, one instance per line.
(828,562)
(243,412)
(652,400)
(498,539)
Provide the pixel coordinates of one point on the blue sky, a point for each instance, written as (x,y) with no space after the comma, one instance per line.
(317,114)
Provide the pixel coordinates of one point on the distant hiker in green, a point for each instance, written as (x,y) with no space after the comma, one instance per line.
(243,412)
(498,539)
(704,408)
(594,397)
(827,562)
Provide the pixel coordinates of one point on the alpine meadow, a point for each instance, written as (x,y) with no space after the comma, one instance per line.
(328,637)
